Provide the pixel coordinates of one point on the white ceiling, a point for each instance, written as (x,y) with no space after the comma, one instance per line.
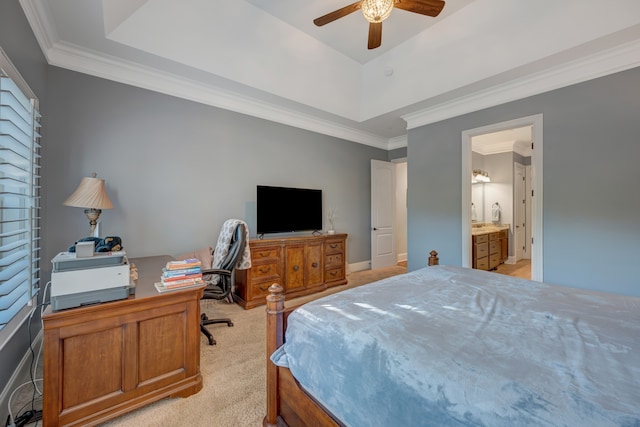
(266,58)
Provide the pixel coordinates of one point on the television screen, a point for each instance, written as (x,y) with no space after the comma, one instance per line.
(282,209)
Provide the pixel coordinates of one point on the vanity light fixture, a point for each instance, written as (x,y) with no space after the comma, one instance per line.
(480,176)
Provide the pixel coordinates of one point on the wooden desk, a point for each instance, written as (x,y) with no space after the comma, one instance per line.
(105,360)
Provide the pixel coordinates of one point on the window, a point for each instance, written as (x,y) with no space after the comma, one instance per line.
(19,193)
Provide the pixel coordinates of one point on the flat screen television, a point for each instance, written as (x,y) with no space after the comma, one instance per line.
(283,209)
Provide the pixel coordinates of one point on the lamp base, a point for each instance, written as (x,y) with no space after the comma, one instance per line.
(92,215)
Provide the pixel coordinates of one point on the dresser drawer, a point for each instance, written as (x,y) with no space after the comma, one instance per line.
(265,253)
(494,247)
(334,247)
(260,272)
(333,261)
(259,290)
(333,274)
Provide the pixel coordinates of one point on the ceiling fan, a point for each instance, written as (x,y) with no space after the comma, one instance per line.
(376,11)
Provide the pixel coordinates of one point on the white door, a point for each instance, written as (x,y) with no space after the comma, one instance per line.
(383,192)
(520,212)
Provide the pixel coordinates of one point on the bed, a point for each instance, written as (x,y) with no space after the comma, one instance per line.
(451,346)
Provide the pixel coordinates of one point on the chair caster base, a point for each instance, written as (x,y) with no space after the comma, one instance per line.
(204,320)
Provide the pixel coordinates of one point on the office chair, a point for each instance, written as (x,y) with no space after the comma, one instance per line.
(219,285)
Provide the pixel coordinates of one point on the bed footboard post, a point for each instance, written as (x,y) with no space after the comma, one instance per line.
(433,259)
(275,338)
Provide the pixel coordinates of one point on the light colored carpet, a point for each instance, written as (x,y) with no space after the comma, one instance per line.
(234,370)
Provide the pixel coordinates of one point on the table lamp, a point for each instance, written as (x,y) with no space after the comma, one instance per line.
(92,196)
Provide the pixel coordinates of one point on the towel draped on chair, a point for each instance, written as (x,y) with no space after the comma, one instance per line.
(222,247)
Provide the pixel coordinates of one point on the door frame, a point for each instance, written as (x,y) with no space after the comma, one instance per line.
(536,123)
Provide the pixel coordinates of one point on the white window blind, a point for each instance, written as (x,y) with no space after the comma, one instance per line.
(19,199)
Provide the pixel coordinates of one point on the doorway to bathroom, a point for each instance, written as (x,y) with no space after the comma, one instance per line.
(502,196)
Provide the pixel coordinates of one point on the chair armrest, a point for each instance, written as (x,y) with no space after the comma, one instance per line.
(216,271)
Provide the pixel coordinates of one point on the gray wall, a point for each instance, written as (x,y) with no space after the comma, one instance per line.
(591,192)
(175,169)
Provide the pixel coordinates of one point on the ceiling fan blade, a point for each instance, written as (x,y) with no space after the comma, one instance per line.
(423,7)
(336,14)
(375,35)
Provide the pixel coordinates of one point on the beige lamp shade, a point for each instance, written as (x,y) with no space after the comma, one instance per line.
(90,194)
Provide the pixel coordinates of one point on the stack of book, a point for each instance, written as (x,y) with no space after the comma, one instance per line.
(180,274)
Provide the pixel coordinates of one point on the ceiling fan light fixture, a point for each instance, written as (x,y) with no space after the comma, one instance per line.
(376,11)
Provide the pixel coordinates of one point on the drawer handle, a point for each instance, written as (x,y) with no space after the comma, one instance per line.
(296,268)
(314,265)
(333,273)
(264,269)
(333,246)
(264,287)
(264,254)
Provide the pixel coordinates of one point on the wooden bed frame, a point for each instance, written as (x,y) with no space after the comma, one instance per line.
(288,405)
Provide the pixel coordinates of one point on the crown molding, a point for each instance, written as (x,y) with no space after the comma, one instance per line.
(82,60)
(397,142)
(620,58)
(495,148)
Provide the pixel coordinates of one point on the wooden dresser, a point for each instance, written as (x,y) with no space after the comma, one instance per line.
(104,360)
(302,265)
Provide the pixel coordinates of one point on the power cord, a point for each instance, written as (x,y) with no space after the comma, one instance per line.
(31,415)
(26,417)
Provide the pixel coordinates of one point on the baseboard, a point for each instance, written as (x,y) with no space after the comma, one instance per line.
(359,266)
(511,260)
(403,257)
(20,376)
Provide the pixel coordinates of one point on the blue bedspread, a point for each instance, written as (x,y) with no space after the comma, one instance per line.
(449,346)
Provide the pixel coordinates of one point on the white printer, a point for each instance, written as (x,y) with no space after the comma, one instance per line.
(78,281)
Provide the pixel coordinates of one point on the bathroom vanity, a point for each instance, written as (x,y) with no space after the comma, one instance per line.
(490,243)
